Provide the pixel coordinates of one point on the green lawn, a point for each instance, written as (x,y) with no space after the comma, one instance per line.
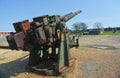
(111,33)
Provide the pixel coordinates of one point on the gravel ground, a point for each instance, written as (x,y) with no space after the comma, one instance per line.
(91,62)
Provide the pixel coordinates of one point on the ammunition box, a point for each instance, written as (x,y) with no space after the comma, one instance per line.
(41,19)
(21,26)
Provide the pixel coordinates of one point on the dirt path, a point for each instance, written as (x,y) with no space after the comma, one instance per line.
(91,62)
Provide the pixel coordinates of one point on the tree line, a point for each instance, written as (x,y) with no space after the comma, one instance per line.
(82,27)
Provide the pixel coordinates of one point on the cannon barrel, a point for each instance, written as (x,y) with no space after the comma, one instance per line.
(70,15)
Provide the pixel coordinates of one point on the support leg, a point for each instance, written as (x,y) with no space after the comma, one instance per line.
(34,57)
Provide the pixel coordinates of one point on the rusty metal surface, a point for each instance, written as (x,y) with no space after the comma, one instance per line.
(43,33)
(49,67)
(21,26)
(19,39)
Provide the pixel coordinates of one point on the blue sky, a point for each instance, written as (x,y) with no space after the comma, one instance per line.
(104,11)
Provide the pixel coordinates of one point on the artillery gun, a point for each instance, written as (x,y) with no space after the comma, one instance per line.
(48,41)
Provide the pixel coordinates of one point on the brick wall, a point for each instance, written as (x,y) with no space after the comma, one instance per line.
(3,34)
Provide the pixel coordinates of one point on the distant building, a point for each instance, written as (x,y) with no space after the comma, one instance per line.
(95,31)
(4,34)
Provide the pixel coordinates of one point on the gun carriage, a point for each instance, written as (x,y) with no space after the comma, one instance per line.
(48,41)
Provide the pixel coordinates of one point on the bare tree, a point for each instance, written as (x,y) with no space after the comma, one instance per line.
(76,27)
(99,26)
(80,26)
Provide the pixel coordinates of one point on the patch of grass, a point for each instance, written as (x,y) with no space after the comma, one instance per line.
(111,33)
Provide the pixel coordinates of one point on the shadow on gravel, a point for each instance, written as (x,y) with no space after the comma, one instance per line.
(4,47)
(2,75)
(13,68)
(119,76)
